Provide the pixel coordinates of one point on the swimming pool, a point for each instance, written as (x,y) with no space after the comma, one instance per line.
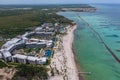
(48,53)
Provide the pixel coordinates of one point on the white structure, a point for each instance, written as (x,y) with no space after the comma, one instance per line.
(6,55)
(41,60)
(32,60)
(39,29)
(38,43)
(28,59)
(9,46)
(19,58)
(36,60)
(45,33)
(27,34)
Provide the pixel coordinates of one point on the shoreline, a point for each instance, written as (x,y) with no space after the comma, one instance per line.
(69,51)
(64,64)
(77,65)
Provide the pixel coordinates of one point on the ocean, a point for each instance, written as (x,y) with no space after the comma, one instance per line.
(97,41)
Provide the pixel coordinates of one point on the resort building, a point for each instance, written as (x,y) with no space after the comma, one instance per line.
(25,41)
(19,58)
(35,44)
(32,60)
(6,55)
(36,60)
(47,25)
(45,33)
(28,59)
(41,60)
(39,29)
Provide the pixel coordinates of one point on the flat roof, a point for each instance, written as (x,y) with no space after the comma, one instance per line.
(42,59)
(39,28)
(12,41)
(32,58)
(5,53)
(20,56)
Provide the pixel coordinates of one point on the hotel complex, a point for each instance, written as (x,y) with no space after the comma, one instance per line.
(25,41)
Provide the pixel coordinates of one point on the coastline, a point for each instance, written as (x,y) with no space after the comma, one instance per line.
(63,64)
(69,52)
(77,66)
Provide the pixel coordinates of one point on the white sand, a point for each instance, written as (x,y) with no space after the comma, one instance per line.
(63,60)
(71,65)
(7,73)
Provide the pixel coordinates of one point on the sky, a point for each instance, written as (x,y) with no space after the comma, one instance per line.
(56,1)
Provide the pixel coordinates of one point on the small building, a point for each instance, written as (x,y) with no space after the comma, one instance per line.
(10,42)
(20,58)
(27,34)
(41,60)
(47,25)
(12,47)
(45,33)
(39,29)
(56,24)
(50,30)
(32,59)
(50,44)
(33,40)
(6,55)
(35,45)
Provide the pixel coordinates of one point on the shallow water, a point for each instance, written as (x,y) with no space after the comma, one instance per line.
(92,56)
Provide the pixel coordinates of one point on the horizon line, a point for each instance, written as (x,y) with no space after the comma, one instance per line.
(61,4)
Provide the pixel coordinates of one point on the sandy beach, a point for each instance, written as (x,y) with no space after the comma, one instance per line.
(63,62)
(71,65)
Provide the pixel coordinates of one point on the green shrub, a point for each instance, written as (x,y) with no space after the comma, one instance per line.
(31,72)
(2,64)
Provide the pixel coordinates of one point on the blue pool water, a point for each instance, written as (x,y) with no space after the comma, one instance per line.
(54,39)
(48,53)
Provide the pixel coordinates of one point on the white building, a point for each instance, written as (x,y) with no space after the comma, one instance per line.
(19,58)
(45,33)
(41,60)
(12,41)
(39,43)
(36,60)
(39,29)
(6,55)
(28,59)
(35,44)
(9,46)
(32,60)
(27,34)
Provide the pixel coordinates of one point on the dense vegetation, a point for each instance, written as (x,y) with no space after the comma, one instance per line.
(17,22)
(10,26)
(2,64)
(30,72)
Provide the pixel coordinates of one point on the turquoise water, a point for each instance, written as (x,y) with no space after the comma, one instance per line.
(92,56)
